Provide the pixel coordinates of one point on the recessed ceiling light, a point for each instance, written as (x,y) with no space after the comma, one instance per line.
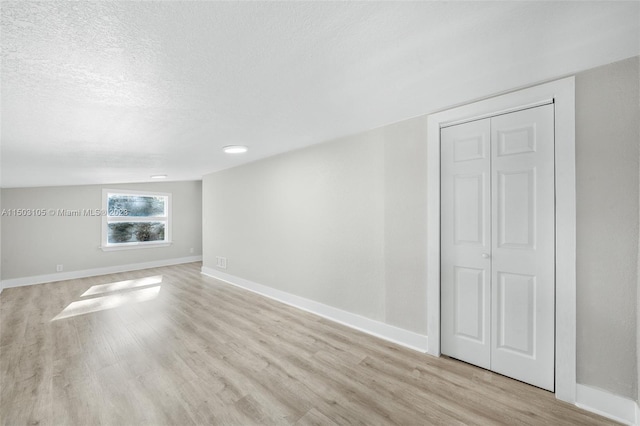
(235,149)
(159,177)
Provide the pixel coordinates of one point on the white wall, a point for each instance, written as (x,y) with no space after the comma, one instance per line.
(33,246)
(344,223)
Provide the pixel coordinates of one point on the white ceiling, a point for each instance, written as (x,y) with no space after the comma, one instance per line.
(109,92)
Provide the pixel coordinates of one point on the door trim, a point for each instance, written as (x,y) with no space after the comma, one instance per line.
(562,93)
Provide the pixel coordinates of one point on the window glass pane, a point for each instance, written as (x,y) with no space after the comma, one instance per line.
(136,205)
(133,232)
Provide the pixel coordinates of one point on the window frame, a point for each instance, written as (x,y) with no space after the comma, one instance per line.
(106,219)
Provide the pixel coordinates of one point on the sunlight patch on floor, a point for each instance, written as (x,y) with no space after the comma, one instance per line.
(122,285)
(121,295)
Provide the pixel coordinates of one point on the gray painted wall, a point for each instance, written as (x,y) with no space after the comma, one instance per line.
(309,223)
(341,223)
(0,242)
(344,223)
(35,245)
(405,210)
(607,138)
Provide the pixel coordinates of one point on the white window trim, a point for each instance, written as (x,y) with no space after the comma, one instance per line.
(562,93)
(106,246)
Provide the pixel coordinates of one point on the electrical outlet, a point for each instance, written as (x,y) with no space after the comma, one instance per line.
(191,250)
(59,268)
(221,262)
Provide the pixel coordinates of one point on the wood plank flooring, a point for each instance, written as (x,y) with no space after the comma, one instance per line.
(191,350)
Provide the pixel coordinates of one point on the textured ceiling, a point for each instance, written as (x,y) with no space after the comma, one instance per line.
(108,92)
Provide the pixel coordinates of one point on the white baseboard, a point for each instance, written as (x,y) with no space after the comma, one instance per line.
(388,332)
(607,404)
(71,275)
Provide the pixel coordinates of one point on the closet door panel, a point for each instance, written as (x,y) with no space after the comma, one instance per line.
(465,242)
(523,246)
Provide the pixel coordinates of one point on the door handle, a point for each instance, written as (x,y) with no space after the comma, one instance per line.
(486,255)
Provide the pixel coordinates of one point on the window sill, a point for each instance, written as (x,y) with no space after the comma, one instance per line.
(134,246)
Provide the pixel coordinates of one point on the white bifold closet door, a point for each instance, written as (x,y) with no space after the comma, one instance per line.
(498,244)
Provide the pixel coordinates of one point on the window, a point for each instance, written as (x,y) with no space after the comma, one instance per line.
(134,219)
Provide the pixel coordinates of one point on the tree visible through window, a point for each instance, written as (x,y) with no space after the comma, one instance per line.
(135,218)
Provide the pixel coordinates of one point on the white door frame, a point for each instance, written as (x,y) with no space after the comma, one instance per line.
(562,93)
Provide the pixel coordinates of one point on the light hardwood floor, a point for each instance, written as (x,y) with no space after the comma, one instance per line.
(192,350)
